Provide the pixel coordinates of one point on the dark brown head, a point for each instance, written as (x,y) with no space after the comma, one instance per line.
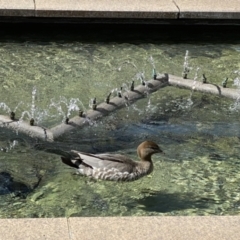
(146,149)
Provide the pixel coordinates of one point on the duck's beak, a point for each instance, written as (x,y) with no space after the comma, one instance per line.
(161,151)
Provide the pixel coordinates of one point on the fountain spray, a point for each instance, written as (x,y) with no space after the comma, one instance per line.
(33,106)
(186,68)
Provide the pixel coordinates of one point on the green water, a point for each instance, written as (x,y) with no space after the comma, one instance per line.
(200,171)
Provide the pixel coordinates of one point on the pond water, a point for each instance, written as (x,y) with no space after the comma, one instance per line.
(199,133)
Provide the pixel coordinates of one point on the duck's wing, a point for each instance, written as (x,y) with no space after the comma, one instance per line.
(100,161)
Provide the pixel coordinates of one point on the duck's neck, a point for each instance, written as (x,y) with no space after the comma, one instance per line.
(146,158)
(146,165)
(144,154)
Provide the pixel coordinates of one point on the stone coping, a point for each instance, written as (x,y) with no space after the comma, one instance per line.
(99,228)
(120,9)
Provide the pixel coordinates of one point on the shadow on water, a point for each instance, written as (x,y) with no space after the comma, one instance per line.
(159,201)
(9,186)
(133,33)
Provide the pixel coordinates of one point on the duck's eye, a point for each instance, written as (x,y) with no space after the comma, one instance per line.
(154,147)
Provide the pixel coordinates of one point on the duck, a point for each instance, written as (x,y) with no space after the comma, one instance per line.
(114,167)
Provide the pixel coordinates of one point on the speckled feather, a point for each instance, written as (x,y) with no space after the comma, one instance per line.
(115,167)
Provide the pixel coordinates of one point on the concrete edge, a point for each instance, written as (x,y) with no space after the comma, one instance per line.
(209,15)
(105,14)
(165,10)
(181,228)
(17,13)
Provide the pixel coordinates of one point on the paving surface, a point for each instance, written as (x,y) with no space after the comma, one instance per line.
(134,9)
(127,228)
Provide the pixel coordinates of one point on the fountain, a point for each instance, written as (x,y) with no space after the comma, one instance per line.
(203,87)
(20,125)
(8,110)
(97,111)
(124,96)
(105,108)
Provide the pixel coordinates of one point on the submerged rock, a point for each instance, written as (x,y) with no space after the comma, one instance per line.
(5,179)
(8,185)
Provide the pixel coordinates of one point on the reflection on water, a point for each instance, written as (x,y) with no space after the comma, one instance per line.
(199,133)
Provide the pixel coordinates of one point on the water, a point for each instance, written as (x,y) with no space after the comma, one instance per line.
(51,74)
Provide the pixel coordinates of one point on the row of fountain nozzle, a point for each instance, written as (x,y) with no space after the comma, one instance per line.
(12,117)
(204,79)
(107,100)
(94,101)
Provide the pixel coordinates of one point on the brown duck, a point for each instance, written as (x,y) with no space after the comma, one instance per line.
(114,167)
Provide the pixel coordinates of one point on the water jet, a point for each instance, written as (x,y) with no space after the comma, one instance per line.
(154,74)
(186,68)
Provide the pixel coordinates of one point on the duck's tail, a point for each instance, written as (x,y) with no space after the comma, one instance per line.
(69,158)
(70,162)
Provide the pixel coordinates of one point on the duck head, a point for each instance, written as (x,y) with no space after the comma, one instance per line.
(146,149)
